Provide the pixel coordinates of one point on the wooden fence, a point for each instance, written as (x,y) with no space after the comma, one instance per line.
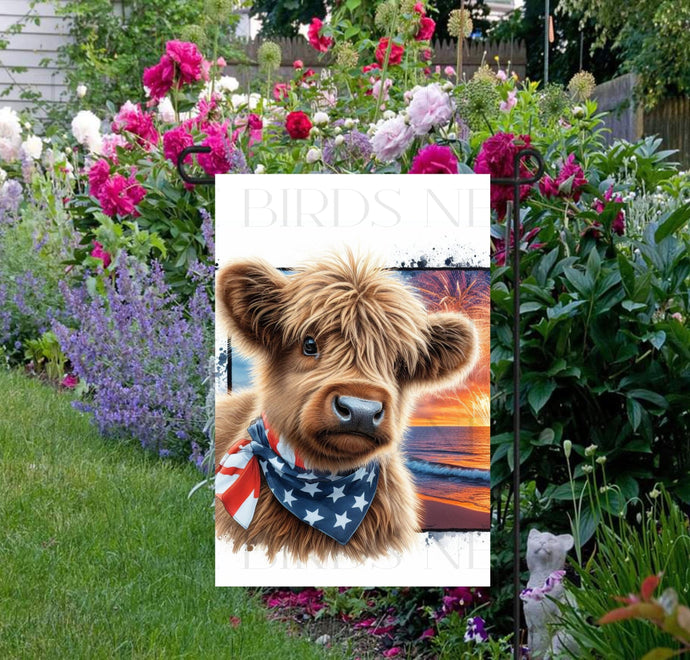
(670,120)
(444,54)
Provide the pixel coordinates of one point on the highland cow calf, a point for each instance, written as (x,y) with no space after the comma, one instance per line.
(309,461)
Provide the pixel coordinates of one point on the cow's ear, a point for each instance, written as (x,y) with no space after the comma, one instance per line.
(450,352)
(249,300)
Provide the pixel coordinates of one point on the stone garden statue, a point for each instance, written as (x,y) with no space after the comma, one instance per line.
(546,555)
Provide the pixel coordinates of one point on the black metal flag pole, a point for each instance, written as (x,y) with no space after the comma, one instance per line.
(197,180)
(516,182)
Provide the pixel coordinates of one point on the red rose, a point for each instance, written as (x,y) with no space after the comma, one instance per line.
(297,125)
(426,29)
(396,52)
(322,44)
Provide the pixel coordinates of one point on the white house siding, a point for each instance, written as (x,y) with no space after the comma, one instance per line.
(34,44)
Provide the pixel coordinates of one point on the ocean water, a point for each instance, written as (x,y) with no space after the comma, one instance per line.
(450,463)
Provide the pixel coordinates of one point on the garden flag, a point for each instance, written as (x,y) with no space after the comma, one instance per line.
(333,503)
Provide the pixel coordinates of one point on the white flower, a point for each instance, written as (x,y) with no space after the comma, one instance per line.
(10,134)
(33,147)
(339,139)
(388,114)
(240,100)
(313,155)
(27,126)
(320,118)
(314,131)
(86,128)
(3,176)
(260,169)
(349,123)
(81,90)
(166,112)
(227,84)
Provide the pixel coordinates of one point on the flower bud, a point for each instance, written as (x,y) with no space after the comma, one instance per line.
(339,139)
(81,90)
(313,155)
(320,118)
(260,169)
(567,448)
(589,451)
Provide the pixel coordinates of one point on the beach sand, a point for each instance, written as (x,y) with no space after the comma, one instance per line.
(443,515)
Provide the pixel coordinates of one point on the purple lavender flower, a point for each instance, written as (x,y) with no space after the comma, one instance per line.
(144,356)
(10,198)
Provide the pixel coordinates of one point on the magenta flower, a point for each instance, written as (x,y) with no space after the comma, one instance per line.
(618,224)
(569,182)
(434,159)
(499,245)
(70,381)
(98,175)
(318,42)
(428,633)
(99,253)
(120,195)
(496,157)
(426,29)
(392,652)
(174,141)
(131,119)
(181,64)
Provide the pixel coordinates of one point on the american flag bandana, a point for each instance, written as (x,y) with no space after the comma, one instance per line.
(333,503)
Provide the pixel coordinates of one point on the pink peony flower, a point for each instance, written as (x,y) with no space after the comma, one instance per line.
(449,71)
(434,159)
(429,108)
(120,195)
(499,253)
(501,75)
(419,8)
(426,29)
(188,60)
(370,67)
(392,652)
(429,632)
(396,54)
(281,91)
(297,64)
(109,144)
(99,253)
(496,157)
(322,44)
(218,161)
(510,102)
(98,175)
(131,119)
(70,381)
(174,141)
(618,224)
(391,139)
(160,78)
(569,182)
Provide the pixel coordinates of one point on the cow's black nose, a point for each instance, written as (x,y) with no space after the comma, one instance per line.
(357,415)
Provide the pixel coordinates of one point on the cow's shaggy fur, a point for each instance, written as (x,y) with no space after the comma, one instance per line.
(376,342)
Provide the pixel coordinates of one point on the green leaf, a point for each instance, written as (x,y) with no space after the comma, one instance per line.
(631,306)
(539,394)
(673,222)
(660,653)
(634,410)
(652,397)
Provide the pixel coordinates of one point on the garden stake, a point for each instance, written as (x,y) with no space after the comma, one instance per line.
(516,182)
(198,180)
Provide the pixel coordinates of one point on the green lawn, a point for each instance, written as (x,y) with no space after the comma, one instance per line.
(101,553)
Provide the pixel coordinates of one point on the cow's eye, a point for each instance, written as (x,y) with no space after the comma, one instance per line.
(309,347)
